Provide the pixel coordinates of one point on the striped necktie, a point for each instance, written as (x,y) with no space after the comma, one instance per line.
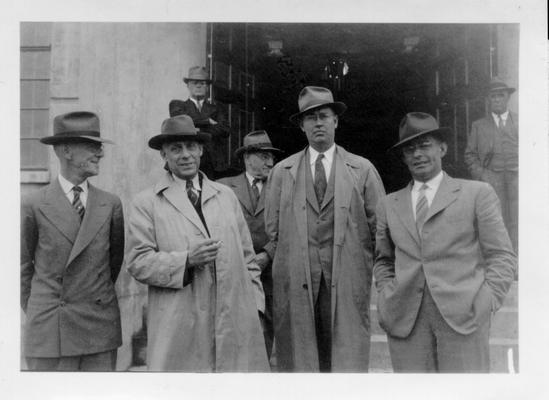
(255,192)
(77,203)
(193,197)
(422,207)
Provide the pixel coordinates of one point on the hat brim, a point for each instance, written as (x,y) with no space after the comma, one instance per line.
(507,89)
(244,149)
(338,107)
(157,141)
(73,139)
(443,131)
(187,80)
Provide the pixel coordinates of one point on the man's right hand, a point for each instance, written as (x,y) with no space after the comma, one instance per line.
(203,252)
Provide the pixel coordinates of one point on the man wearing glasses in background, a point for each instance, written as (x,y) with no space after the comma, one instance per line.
(320,220)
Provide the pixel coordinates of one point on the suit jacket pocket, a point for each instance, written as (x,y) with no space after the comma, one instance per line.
(483,304)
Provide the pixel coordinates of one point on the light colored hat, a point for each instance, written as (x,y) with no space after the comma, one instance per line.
(197,73)
(312,97)
(498,84)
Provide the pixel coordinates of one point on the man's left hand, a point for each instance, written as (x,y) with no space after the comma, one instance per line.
(262,259)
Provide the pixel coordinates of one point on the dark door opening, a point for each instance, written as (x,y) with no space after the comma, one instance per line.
(380,71)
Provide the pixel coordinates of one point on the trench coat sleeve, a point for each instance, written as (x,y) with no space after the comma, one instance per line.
(145,262)
(471,156)
(384,266)
(496,246)
(249,256)
(117,240)
(29,240)
(373,191)
(272,210)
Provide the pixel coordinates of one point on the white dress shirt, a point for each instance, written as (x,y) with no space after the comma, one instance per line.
(503,118)
(326,161)
(432,188)
(67,189)
(259,184)
(197,103)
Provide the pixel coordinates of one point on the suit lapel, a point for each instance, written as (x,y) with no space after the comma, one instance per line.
(240,187)
(402,204)
(58,210)
(97,212)
(310,194)
(446,194)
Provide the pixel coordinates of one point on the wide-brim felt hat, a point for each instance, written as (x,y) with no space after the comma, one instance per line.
(176,129)
(416,124)
(197,73)
(256,141)
(76,126)
(497,84)
(312,97)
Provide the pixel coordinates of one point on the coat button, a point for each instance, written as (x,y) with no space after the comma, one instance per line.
(62,304)
(305,286)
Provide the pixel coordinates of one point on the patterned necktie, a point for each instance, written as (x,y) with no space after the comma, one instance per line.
(255,192)
(501,123)
(193,197)
(77,203)
(320,179)
(422,207)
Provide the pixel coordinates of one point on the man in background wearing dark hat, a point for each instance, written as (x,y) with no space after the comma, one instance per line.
(258,155)
(444,261)
(189,242)
(206,117)
(492,153)
(320,220)
(72,246)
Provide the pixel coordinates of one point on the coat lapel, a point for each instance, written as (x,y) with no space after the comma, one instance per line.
(402,203)
(261,201)
(240,187)
(97,212)
(446,194)
(58,210)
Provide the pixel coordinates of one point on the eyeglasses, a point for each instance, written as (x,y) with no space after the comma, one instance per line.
(323,117)
(422,146)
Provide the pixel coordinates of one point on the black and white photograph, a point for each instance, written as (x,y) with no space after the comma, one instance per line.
(266,203)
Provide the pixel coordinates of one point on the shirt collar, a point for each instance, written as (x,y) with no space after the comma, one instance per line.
(251,178)
(503,116)
(67,186)
(328,154)
(196,102)
(196,182)
(432,183)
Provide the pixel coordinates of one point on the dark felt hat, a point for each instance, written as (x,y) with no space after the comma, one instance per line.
(77,126)
(176,129)
(416,124)
(256,141)
(312,97)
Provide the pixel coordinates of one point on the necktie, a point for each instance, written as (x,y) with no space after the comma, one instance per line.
(199,106)
(193,197)
(255,192)
(501,123)
(422,207)
(77,203)
(320,179)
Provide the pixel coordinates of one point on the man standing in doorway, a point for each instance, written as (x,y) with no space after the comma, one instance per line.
(258,155)
(444,262)
(72,246)
(206,117)
(320,220)
(492,153)
(188,241)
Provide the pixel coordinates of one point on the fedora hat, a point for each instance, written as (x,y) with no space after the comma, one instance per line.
(498,84)
(197,73)
(416,124)
(312,97)
(176,129)
(256,141)
(75,126)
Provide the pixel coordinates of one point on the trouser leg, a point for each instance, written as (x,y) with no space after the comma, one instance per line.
(323,326)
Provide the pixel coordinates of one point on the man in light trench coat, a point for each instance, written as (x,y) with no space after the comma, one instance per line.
(189,241)
(320,219)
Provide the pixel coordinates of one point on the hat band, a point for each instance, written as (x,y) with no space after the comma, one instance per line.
(180,133)
(77,133)
(263,144)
